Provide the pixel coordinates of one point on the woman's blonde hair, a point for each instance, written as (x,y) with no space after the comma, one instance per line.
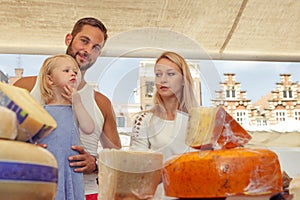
(187,100)
(47,69)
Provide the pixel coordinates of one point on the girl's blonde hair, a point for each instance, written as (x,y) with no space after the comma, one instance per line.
(187,100)
(47,69)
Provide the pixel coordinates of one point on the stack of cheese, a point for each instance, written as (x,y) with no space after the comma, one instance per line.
(222,167)
(128,175)
(33,122)
(27,171)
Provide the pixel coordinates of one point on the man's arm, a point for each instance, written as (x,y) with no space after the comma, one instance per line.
(26,82)
(110,137)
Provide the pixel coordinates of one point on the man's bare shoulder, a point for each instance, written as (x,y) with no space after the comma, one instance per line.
(27,82)
(103,103)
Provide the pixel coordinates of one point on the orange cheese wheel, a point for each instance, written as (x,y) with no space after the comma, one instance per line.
(219,173)
(214,128)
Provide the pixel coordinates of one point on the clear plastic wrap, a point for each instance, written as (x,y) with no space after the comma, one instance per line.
(128,174)
(214,128)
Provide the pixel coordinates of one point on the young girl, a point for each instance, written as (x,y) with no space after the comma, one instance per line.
(59,76)
(163,127)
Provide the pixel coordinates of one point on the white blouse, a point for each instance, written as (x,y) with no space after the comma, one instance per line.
(165,136)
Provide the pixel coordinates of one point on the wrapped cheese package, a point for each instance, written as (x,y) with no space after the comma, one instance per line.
(128,175)
(214,128)
(33,121)
(222,173)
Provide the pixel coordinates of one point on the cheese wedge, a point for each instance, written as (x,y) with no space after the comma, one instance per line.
(8,124)
(221,173)
(34,122)
(130,175)
(214,128)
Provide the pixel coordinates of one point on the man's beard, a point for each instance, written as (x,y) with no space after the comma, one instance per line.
(83,67)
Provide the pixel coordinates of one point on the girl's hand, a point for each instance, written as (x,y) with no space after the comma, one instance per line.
(70,94)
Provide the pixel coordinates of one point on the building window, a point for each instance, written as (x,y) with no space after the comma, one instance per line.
(230,92)
(297,115)
(287,93)
(147,107)
(280,116)
(120,121)
(149,89)
(241,117)
(261,122)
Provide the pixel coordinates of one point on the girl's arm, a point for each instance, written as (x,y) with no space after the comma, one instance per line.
(85,122)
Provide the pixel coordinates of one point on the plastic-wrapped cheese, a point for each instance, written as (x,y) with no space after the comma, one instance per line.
(34,122)
(214,128)
(219,173)
(294,187)
(8,124)
(130,175)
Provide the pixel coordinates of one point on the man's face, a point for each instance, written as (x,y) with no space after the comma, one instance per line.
(86,46)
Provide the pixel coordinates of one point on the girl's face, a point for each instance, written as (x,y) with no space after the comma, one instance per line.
(64,73)
(168,78)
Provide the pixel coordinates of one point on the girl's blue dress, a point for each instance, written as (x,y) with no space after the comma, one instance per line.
(70,184)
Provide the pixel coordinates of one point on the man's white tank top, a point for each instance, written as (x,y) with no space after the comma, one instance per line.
(89,142)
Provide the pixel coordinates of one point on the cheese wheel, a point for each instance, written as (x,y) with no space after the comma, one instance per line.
(8,124)
(27,171)
(219,173)
(214,128)
(130,175)
(34,122)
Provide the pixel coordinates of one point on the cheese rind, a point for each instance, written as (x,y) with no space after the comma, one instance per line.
(214,128)
(219,173)
(27,171)
(8,124)
(34,122)
(130,175)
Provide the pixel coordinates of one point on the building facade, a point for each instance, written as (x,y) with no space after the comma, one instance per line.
(280,105)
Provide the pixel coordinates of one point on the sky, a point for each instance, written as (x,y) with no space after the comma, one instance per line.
(117,77)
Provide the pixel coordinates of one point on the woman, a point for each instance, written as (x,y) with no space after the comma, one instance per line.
(163,127)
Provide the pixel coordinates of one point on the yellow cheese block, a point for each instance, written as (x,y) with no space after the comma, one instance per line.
(8,124)
(34,122)
(221,173)
(214,128)
(128,175)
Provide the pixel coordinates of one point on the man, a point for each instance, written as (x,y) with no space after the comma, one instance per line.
(85,43)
